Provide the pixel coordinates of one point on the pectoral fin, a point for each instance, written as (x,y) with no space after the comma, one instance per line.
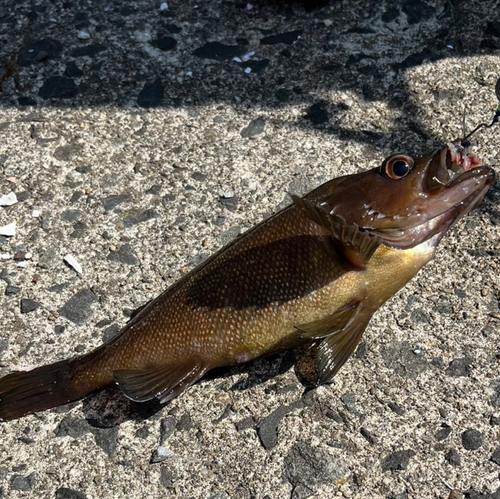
(341,333)
(165,383)
(335,323)
(334,350)
(356,245)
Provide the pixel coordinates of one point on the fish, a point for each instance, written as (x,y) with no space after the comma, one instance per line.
(313,274)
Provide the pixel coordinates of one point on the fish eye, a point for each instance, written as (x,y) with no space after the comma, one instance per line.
(397,166)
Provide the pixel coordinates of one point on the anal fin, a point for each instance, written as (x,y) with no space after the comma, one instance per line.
(356,245)
(164,383)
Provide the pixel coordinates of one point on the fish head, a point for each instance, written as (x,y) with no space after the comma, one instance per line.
(408,200)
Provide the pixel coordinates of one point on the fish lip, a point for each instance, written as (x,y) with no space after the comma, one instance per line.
(448,164)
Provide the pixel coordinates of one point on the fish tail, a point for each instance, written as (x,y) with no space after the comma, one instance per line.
(45,387)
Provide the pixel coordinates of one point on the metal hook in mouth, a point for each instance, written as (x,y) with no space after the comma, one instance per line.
(464,142)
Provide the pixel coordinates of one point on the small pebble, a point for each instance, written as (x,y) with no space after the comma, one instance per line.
(35,213)
(164,6)
(453,457)
(496,456)
(8,230)
(8,199)
(28,305)
(83,35)
(160,454)
(472,439)
(71,261)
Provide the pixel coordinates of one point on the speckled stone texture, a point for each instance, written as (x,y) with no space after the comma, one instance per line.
(140,137)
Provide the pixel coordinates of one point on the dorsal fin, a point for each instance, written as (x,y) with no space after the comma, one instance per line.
(357,245)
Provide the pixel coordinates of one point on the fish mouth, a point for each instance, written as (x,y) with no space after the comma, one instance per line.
(454,183)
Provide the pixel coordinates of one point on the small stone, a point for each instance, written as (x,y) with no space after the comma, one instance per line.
(167,428)
(83,35)
(65,493)
(495,457)
(8,230)
(453,457)
(79,308)
(151,94)
(459,367)
(72,262)
(68,152)
(8,199)
(72,427)
(58,87)
(398,460)
(72,70)
(185,423)
(472,439)
(89,50)
(111,202)
(494,391)
(106,439)
(124,255)
(110,332)
(395,408)
(254,128)
(22,483)
(50,259)
(165,43)
(166,478)
(11,290)
(219,51)
(28,305)
(474,494)
(287,38)
(19,256)
(443,432)
(40,50)
(231,203)
(71,216)
(23,196)
(317,114)
(307,468)
(4,344)
(83,169)
(495,419)
(399,356)
(200,177)
(140,217)
(245,424)
(160,454)
(368,435)
(142,432)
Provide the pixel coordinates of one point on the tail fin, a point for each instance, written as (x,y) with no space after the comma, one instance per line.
(25,392)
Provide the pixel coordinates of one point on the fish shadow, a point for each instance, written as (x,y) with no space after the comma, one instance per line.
(109,407)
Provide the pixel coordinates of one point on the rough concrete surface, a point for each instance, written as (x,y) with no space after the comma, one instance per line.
(137,144)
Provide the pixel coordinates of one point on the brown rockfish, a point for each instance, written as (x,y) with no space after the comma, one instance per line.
(316,271)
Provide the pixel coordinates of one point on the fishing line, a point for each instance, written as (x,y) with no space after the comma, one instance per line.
(464,141)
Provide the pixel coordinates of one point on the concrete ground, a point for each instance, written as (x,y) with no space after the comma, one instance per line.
(140,137)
